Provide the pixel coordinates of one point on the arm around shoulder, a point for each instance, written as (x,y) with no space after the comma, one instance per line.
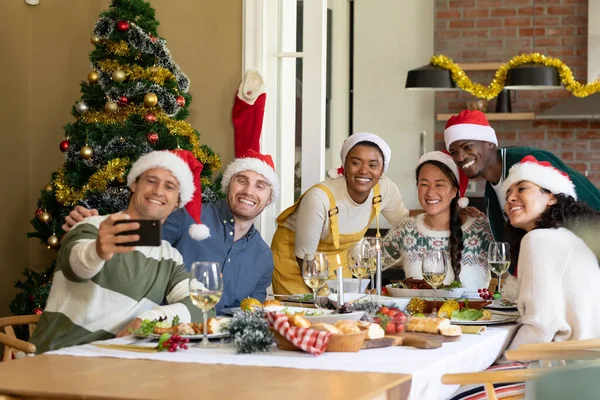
(393,208)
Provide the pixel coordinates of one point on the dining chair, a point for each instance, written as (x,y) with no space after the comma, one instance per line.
(10,341)
(544,353)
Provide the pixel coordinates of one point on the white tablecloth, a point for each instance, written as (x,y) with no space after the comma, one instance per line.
(471,354)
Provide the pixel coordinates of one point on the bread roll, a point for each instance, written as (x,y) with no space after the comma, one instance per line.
(427,325)
(299,321)
(374,331)
(452,330)
(321,326)
(272,302)
(347,326)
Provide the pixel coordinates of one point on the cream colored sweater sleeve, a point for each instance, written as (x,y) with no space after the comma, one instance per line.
(541,294)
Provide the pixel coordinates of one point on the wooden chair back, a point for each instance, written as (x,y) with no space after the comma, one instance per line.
(9,339)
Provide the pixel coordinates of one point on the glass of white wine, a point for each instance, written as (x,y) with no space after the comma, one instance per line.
(499,259)
(362,259)
(434,268)
(315,272)
(206,287)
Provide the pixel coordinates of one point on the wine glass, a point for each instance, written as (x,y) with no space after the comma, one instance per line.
(315,272)
(435,268)
(206,287)
(499,259)
(362,259)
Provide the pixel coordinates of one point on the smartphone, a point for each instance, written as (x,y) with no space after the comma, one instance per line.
(149,232)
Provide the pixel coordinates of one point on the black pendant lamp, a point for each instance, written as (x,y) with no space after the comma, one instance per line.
(532,77)
(429,77)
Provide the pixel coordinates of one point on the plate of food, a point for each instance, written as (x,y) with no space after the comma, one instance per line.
(411,287)
(470,316)
(315,315)
(193,330)
(501,304)
(381,300)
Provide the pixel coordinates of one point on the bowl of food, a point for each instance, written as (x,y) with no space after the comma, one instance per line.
(419,288)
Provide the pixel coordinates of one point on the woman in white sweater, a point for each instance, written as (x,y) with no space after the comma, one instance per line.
(558,275)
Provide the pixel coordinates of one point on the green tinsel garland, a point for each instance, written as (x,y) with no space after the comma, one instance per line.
(250,332)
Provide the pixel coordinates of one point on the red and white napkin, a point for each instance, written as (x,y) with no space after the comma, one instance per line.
(309,340)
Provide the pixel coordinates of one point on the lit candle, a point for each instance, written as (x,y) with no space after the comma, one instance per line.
(378,285)
(340,281)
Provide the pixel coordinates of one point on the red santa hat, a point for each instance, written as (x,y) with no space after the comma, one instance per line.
(469,125)
(248,113)
(543,174)
(186,169)
(352,141)
(257,162)
(445,158)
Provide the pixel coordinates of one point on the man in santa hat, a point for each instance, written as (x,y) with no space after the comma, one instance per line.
(104,287)
(227,235)
(473,145)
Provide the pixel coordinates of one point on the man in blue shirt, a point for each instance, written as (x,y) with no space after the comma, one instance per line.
(251,185)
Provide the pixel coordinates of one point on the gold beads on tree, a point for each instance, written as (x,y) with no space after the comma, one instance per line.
(150,99)
(118,76)
(48,187)
(86,152)
(45,217)
(53,242)
(93,77)
(111,106)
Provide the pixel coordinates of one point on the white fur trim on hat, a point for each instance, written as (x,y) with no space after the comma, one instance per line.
(169,161)
(251,86)
(469,132)
(366,137)
(544,176)
(199,231)
(252,164)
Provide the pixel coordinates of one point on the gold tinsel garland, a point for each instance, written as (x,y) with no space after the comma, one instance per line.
(69,196)
(156,75)
(495,87)
(120,48)
(179,128)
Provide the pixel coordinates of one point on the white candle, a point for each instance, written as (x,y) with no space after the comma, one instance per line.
(378,285)
(340,281)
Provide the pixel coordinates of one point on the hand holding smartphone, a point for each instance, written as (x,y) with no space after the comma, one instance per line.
(149,232)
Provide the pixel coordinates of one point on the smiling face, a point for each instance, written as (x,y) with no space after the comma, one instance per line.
(435,190)
(525,203)
(363,168)
(472,156)
(155,194)
(248,194)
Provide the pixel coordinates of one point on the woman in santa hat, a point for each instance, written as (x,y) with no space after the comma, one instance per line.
(558,274)
(335,214)
(441,188)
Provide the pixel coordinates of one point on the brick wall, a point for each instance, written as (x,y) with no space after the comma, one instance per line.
(495,31)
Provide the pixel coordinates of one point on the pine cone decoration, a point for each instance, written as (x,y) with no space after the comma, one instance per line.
(416,306)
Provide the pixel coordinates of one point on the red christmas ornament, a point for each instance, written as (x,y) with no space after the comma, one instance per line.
(152,137)
(38,212)
(123,101)
(64,145)
(152,38)
(123,26)
(181,101)
(150,118)
(38,311)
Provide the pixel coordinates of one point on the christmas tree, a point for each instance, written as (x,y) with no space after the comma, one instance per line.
(135,101)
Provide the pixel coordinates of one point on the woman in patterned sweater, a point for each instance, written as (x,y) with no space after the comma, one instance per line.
(440,189)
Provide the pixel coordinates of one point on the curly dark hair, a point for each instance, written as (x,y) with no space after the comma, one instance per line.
(566,212)
(455,242)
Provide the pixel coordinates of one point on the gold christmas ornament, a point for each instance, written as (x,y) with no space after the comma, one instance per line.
(86,152)
(48,187)
(53,241)
(81,107)
(495,87)
(94,40)
(416,305)
(150,99)
(118,76)
(111,106)
(45,217)
(93,77)
(120,178)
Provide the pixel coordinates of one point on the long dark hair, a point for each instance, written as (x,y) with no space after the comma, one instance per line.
(455,242)
(565,213)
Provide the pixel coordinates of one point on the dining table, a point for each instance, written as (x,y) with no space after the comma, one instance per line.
(98,371)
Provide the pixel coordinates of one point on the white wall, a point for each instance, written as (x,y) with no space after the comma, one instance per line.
(390,38)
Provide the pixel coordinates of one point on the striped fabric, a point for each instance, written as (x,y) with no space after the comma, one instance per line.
(309,340)
(91,299)
(503,390)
